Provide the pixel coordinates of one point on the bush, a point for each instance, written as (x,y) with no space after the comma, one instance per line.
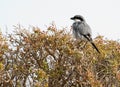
(52,58)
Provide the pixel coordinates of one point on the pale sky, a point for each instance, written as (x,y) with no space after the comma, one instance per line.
(102,15)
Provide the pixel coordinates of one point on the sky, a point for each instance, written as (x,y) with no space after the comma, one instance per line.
(102,15)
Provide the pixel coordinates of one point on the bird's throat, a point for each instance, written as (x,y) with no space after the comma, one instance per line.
(77,20)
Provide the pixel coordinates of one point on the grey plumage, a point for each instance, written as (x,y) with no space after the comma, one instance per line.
(81,30)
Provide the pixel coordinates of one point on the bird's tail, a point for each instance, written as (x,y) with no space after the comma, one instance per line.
(90,40)
(94,46)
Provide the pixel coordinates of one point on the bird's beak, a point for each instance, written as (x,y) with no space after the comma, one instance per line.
(72,18)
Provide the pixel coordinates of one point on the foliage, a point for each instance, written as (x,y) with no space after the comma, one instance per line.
(52,58)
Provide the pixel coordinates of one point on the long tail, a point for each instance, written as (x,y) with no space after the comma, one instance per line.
(94,46)
(90,40)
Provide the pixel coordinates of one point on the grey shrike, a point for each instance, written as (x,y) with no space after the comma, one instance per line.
(81,30)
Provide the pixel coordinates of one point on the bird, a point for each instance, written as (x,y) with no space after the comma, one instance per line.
(81,30)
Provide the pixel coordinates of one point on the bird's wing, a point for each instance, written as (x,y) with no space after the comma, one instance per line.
(85,30)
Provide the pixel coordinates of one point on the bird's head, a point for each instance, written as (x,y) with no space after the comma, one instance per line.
(77,18)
